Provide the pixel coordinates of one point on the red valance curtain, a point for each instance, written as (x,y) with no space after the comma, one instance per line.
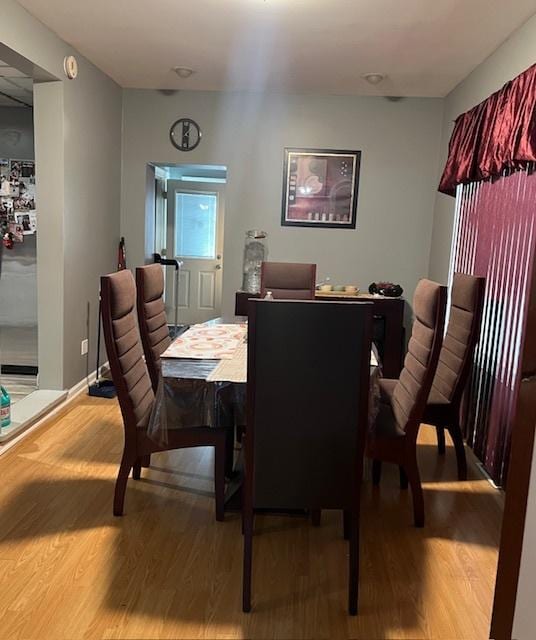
(497,135)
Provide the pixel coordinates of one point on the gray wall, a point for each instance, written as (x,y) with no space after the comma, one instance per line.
(248,132)
(18,282)
(78,156)
(510,59)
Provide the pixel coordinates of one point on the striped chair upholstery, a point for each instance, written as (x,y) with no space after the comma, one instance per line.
(125,352)
(152,317)
(412,388)
(136,396)
(455,362)
(403,401)
(460,339)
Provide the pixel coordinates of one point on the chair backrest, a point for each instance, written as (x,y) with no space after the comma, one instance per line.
(307,407)
(456,357)
(288,280)
(123,345)
(152,318)
(413,386)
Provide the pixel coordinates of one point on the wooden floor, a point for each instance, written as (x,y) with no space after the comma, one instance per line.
(168,570)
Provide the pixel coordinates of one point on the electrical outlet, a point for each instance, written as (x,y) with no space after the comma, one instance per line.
(84,347)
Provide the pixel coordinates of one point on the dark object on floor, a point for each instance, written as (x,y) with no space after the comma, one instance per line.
(102,389)
(387,289)
(307,420)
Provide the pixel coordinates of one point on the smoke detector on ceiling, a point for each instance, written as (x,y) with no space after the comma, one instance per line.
(183,72)
(374,78)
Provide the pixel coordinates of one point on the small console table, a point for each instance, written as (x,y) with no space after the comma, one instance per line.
(389,333)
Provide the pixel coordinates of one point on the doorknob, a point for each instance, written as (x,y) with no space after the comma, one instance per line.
(218,266)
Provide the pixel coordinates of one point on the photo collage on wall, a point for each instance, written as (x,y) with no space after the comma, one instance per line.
(17,198)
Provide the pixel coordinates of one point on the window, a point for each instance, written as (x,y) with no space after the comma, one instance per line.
(195,225)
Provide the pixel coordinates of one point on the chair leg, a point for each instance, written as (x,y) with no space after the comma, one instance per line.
(136,469)
(346,524)
(316,517)
(457,437)
(376,472)
(403,478)
(412,471)
(248,559)
(440,440)
(219,476)
(353,586)
(229,450)
(121,485)
(146,461)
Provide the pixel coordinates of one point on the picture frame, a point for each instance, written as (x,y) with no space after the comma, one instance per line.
(320,188)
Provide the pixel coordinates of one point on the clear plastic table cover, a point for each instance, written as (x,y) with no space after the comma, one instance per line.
(186,399)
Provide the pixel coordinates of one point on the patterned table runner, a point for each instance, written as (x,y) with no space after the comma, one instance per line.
(234,369)
(216,342)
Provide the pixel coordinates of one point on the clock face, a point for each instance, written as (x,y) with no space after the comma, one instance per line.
(185,134)
(70,66)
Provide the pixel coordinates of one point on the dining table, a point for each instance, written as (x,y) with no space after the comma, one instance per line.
(198,391)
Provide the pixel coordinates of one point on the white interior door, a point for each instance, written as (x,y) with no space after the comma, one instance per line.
(195,237)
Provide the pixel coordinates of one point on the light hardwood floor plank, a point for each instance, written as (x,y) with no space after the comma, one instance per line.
(167,569)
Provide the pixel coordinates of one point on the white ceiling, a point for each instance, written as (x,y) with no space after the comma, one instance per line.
(15,84)
(320,46)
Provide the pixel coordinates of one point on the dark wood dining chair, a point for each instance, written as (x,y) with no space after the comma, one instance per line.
(307,415)
(136,396)
(152,318)
(394,435)
(455,362)
(288,280)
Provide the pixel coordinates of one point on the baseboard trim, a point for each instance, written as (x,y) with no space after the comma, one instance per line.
(42,420)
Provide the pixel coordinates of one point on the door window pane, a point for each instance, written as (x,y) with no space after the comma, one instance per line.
(195,225)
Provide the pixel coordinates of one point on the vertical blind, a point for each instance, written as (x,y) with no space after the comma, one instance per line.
(495,236)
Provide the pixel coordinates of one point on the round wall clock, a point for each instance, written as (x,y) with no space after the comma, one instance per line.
(185,134)
(70,66)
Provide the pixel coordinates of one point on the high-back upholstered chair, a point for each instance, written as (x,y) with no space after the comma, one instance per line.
(288,280)
(307,414)
(152,317)
(394,436)
(455,361)
(135,392)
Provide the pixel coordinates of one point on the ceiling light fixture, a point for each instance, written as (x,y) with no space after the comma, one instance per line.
(183,72)
(374,78)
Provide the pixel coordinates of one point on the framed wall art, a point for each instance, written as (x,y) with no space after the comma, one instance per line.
(320,188)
